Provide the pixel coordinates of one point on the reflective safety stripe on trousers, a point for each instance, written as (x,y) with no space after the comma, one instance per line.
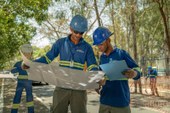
(30,104)
(15,106)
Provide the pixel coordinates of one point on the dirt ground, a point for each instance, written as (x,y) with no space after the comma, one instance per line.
(163,85)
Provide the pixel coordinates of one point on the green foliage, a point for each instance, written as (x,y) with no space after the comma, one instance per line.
(14,27)
(24,9)
(88,39)
(15,30)
(38,52)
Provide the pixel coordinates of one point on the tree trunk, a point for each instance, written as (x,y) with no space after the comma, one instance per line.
(113,23)
(133,25)
(97,12)
(165,18)
(167,63)
(128,30)
(128,37)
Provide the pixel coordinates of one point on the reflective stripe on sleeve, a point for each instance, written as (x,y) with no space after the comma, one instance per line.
(47,59)
(92,66)
(118,79)
(137,68)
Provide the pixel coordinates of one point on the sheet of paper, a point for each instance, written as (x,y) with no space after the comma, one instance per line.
(60,76)
(7,76)
(114,69)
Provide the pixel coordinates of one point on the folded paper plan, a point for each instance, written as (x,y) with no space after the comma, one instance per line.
(114,69)
(60,76)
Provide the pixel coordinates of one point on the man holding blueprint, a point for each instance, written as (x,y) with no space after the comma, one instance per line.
(74,52)
(119,67)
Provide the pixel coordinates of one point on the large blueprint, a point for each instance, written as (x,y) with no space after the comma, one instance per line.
(61,76)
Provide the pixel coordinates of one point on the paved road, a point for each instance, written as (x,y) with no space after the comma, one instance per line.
(43,99)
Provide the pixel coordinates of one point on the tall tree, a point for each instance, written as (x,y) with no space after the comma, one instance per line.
(133,25)
(97,13)
(163,6)
(112,15)
(14,24)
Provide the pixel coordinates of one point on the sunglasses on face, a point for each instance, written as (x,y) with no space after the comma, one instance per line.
(77,32)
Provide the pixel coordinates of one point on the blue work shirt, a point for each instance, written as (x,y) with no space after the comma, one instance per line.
(17,69)
(71,55)
(116,93)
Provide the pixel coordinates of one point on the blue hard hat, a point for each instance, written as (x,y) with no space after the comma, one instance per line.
(79,23)
(149,67)
(100,35)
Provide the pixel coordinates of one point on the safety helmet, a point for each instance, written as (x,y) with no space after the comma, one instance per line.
(100,35)
(79,23)
(149,67)
(26,48)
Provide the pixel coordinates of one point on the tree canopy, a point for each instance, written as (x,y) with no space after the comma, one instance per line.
(14,27)
(140,27)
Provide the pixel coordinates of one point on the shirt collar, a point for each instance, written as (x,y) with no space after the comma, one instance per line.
(69,40)
(114,49)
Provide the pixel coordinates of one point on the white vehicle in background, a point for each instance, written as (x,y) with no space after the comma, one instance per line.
(7,74)
(38,83)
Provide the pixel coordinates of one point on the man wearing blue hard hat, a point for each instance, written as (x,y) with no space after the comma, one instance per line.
(74,52)
(152,74)
(114,95)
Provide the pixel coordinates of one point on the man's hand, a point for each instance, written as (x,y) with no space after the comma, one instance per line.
(98,89)
(102,82)
(130,73)
(24,67)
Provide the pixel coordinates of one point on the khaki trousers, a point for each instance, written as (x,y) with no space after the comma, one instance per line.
(62,98)
(109,109)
